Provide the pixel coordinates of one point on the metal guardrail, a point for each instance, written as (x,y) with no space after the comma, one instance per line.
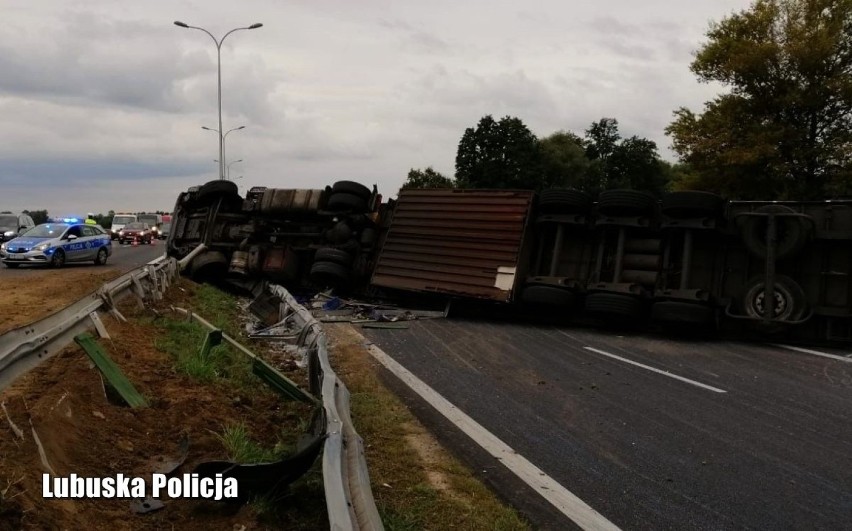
(349,498)
(346,481)
(24,348)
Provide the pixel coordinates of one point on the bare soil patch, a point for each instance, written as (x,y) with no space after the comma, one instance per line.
(25,300)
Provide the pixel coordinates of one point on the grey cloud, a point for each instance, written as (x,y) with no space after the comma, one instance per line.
(80,171)
(416,40)
(129,64)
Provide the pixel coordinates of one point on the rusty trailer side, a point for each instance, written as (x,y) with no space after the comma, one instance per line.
(468,243)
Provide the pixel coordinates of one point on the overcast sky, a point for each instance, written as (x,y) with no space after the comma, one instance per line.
(102,102)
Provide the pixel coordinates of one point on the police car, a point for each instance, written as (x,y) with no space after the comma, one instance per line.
(56,244)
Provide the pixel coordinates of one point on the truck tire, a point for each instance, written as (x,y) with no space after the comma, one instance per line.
(343,201)
(329,274)
(626,203)
(692,204)
(330,254)
(353,188)
(613,305)
(791,233)
(564,201)
(213,188)
(212,265)
(547,295)
(790,301)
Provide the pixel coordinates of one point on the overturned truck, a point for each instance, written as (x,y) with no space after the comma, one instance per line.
(690,260)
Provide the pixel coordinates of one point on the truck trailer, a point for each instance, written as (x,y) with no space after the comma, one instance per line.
(689,260)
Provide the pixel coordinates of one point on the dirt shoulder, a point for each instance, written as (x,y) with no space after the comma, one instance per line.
(23,301)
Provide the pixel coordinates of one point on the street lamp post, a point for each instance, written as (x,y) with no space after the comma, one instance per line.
(224,139)
(229,168)
(228,171)
(219,70)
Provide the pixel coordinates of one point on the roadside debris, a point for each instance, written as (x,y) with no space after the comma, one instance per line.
(112,372)
(18,431)
(330,309)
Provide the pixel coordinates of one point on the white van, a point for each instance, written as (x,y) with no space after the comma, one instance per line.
(118,223)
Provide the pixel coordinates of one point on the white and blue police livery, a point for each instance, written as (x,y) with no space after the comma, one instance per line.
(56,244)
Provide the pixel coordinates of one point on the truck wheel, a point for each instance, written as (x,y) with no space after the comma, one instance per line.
(212,265)
(547,295)
(330,254)
(626,203)
(564,201)
(346,201)
(791,233)
(329,274)
(692,204)
(790,301)
(217,187)
(353,188)
(681,313)
(613,305)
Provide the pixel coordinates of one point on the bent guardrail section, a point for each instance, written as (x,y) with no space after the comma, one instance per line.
(349,498)
(24,348)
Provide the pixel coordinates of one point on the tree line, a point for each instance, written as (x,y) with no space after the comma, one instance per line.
(781,130)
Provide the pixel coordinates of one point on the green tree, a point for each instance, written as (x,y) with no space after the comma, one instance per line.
(39,216)
(785,128)
(428,178)
(563,161)
(622,163)
(500,154)
(105,220)
(602,138)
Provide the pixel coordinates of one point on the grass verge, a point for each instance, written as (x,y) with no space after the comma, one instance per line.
(230,371)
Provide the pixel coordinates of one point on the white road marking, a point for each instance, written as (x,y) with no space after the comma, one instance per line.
(558,496)
(814,352)
(658,371)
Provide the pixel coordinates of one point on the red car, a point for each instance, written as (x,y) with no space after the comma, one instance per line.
(136,231)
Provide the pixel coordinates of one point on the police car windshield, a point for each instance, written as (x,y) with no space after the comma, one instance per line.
(8,222)
(47,230)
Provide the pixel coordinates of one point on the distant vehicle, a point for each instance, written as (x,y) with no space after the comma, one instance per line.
(12,225)
(136,231)
(166,227)
(118,223)
(154,221)
(55,244)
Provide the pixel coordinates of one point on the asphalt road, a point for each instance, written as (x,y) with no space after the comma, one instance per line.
(125,257)
(746,436)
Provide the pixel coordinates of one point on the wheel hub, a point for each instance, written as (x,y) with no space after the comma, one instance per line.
(780,303)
